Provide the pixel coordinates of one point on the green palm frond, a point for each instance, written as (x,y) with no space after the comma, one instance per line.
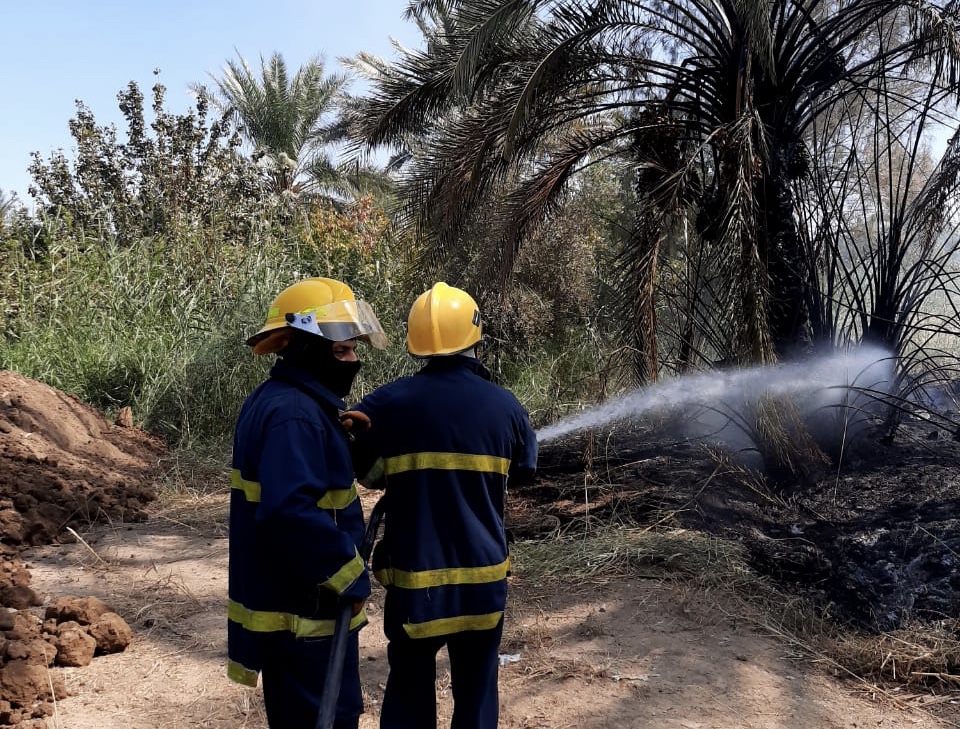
(285,119)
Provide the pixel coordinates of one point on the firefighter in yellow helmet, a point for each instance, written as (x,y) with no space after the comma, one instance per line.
(443,444)
(295,520)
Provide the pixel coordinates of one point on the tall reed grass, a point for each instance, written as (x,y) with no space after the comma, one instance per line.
(160,326)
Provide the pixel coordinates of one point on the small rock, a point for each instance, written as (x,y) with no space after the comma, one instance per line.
(111,633)
(84,610)
(18,596)
(6,620)
(125,417)
(35,652)
(75,646)
(21,683)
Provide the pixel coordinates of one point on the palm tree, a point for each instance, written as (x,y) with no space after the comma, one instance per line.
(293,124)
(714,103)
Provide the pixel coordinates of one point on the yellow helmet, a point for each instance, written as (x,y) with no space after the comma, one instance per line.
(324,307)
(443,320)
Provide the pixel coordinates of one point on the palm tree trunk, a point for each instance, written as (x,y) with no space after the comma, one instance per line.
(645,241)
(781,248)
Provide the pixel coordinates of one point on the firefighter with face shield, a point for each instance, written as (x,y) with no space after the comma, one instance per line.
(443,444)
(295,519)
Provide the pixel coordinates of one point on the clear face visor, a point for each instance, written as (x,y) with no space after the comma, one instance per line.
(340,321)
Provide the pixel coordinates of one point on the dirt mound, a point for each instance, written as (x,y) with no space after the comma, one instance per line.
(62,465)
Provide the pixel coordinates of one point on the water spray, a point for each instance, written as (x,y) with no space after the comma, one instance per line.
(844,379)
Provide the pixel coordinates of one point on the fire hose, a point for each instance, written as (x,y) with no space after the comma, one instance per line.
(338,645)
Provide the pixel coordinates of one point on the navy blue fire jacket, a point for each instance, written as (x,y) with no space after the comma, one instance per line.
(295,520)
(449,439)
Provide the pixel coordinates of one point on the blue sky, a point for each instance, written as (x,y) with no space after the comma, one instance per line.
(56,51)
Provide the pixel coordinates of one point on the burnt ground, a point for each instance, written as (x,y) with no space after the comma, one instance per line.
(873,540)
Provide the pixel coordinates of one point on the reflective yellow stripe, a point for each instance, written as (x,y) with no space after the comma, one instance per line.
(264,621)
(259,621)
(333,499)
(338,498)
(446,462)
(251,489)
(345,576)
(241,674)
(449,576)
(445,626)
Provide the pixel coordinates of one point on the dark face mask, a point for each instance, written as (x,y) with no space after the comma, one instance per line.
(338,376)
(315,355)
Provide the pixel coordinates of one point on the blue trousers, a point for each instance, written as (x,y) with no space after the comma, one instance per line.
(410,699)
(293,676)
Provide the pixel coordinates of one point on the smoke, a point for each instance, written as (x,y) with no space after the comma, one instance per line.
(837,393)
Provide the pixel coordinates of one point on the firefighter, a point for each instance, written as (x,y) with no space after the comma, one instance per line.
(295,519)
(444,443)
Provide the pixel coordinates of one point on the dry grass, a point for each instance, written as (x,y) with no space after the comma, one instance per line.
(927,655)
(194,492)
(608,552)
(202,514)
(194,472)
(782,438)
(165,599)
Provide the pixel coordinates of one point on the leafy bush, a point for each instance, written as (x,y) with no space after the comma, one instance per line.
(160,326)
(173,175)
